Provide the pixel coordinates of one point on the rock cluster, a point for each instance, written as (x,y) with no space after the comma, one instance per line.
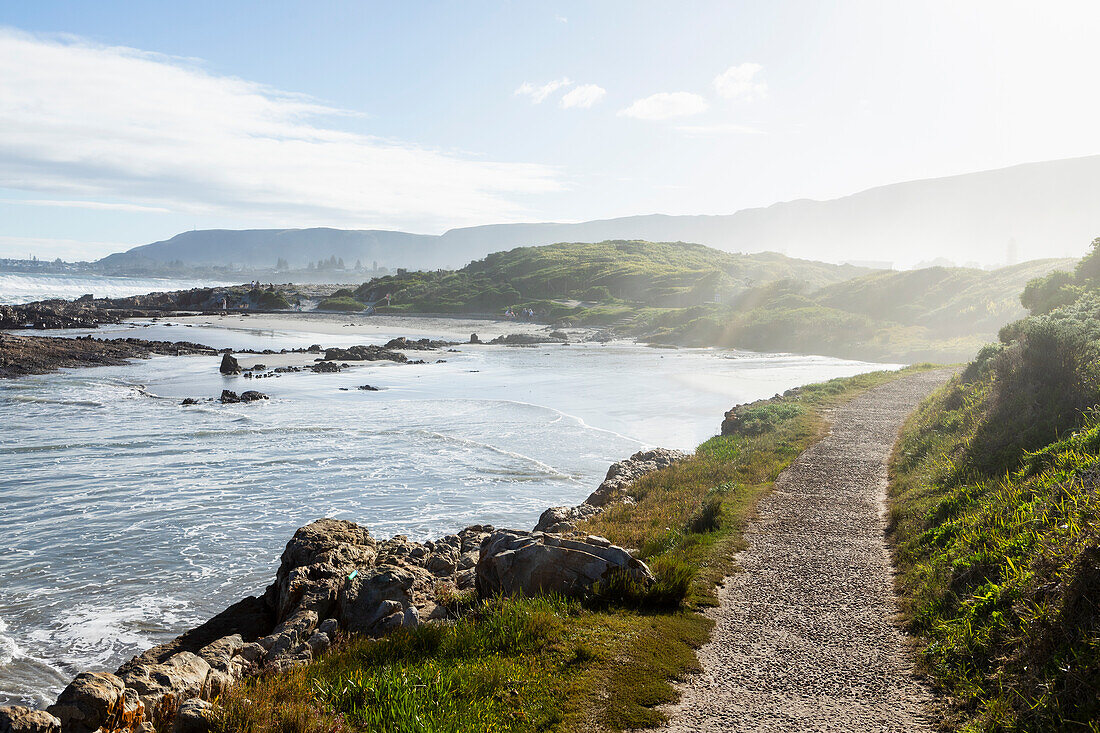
(370,352)
(334,577)
(615,487)
(229,397)
(424,344)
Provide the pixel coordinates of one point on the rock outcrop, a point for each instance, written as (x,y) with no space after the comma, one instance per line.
(229,397)
(529,563)
(615,487)
(365,353)
(97,700)
(229,365)
(17,719)
(334,578)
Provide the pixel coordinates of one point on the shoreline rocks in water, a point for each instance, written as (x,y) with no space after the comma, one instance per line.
(334,577)
(22,355)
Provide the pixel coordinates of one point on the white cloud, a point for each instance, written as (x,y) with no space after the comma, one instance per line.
(97,122)
(71,250)
(97,205)
(584,96)
(539,93)
(664,105)
(720,129)
(739,82)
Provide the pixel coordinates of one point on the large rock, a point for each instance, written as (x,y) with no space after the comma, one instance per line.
(163,687)
(562,519)
(95,700)
(229,365)
(530,563)
(194,716)
(369,602)
(19,719)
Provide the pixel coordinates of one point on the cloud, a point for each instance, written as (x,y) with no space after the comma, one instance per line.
(583,96)
(739,82)
(88,121)
(664,105)
(539,93)
(72,250)
(720,129)
(97,205)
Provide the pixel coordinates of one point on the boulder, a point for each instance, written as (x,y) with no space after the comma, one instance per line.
(474,339)
(529,563)
(252,396)
(93,700)
(563,519)
(315,565)
(163,687)
(194,716)
(18,719)
(229,365)
(369,602)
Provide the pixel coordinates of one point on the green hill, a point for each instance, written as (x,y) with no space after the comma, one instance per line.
(554,277)
(689,294)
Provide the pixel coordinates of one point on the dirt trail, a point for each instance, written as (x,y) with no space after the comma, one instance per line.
(804,638)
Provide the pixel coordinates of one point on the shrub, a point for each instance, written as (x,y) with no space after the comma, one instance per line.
(347,305)
(1042,384)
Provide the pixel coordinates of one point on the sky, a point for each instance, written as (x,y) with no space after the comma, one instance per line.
(123,123)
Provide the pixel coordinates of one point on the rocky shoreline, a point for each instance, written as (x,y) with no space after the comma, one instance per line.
(334,578)
(21,355)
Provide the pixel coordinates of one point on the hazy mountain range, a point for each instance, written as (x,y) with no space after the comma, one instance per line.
(1026,211)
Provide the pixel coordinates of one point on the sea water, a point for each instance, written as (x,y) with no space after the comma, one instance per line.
(126,518)
(26,287)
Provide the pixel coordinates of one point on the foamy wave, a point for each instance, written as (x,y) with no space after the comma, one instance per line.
(8,648)
(25,287)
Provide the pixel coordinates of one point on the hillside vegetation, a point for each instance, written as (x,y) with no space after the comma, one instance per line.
(654,274)
(688,294)
(995,518)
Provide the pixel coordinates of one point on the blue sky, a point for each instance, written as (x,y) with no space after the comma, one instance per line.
(126,122)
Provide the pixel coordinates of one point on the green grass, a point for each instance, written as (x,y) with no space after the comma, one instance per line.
(606,662)
(1000,567)
(342,303)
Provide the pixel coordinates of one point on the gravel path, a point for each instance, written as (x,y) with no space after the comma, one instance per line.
(804,638)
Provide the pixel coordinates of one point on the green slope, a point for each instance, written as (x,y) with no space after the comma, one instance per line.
(653,274)
(995,519)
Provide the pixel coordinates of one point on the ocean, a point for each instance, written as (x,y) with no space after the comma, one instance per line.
(23,287)
(127,518)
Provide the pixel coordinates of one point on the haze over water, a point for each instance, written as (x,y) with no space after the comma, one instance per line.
(128,518)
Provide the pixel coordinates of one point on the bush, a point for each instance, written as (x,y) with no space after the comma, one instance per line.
(1041,386)
(347,305)
(708,518)
(672,585)
(1044,294)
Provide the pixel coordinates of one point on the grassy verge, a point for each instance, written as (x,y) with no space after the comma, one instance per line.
(551,664)
(999,566)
